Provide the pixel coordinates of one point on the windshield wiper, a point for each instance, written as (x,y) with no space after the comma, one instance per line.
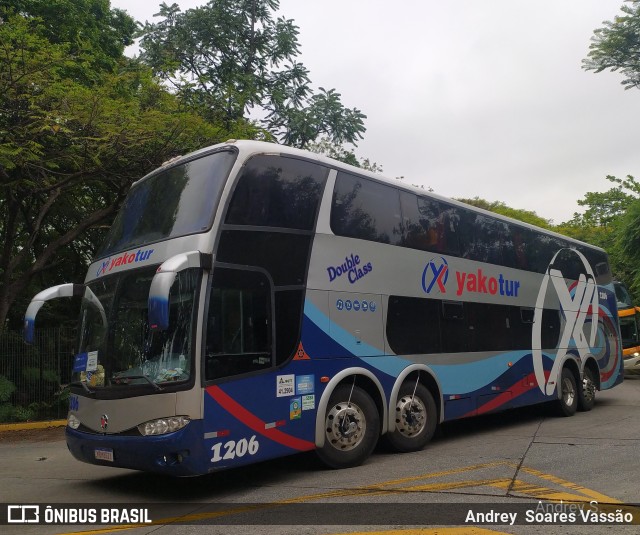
(83,384)
(124,379)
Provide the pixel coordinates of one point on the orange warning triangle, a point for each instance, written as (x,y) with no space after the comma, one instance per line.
(301,354)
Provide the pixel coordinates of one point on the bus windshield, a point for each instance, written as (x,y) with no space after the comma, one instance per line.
(629,331)
(175,202)
(117,348)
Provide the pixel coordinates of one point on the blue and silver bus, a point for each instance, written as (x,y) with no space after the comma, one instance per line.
(253,301)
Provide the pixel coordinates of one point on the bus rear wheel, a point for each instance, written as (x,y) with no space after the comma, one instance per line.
(415,415)
(567,404)
(587,394)
(352,426)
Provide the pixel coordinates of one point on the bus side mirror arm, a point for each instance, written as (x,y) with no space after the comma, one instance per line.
(55,292)
(163,280)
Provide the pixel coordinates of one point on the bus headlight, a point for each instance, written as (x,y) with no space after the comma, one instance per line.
(162,426)
(72,421)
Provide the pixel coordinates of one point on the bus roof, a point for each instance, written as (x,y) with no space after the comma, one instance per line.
(249,147)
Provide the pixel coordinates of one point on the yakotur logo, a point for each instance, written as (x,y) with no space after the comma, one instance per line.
(575,310)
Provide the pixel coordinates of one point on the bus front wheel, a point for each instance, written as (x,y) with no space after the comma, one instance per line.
(352,426)
(415,416)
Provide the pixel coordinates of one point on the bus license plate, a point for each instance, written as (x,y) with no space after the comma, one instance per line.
(104,454)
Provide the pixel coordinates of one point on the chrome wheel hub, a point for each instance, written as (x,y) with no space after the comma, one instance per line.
(411,416)
(588,389)
(568,392)
(345,426)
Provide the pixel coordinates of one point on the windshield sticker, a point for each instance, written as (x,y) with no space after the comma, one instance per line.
(124,259)
(80,362)
(92,361)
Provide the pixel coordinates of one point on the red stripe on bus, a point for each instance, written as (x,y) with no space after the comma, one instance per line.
(521,387)
(256,424)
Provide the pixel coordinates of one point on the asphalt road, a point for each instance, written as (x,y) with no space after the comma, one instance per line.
(509,463)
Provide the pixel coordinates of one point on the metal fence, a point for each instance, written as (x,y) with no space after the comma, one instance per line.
(33,378)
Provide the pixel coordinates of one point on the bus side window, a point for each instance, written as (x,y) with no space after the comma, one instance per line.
(238,324)
(366,210)
(277,192)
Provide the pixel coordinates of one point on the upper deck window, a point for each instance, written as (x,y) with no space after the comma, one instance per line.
(179,201)
(274,191)
(366,209)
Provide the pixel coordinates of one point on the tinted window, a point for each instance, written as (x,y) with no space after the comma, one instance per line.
(179,201)
(550,331)
(421,326)
(521,238)
(629,332)
(429,225)
(273,191)
(288,319)
(372,211)
(282,254)
(413,325)
(542,249)
(622,295)
(487,240)
(238,324)
(365,209)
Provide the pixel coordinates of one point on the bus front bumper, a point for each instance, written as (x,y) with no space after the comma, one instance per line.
(179,454)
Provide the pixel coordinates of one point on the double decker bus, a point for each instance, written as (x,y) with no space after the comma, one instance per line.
(253,301)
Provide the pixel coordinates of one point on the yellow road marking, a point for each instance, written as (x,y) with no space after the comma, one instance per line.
(579,494)
(573,486)
(430,531)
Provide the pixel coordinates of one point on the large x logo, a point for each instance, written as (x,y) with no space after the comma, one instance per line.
(575,310)
(439,274)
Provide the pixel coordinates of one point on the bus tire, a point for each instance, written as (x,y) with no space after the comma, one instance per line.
(416,419)
(587,392)
(567,404)
(352,426)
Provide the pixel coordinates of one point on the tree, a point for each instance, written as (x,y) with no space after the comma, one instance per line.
(629,243)
(70,149)
(603,224)
(338,152)
(616,46)
(87,27)
(231,58)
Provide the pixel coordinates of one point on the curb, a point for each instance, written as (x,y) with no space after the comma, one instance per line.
(32,425)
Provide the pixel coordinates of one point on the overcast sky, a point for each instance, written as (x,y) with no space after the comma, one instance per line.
(473,98)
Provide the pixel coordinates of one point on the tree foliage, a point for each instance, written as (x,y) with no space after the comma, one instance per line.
(339,152)
(230,59)
(79,121)
(94,33)
(616,46)
(603,224)
(69,150)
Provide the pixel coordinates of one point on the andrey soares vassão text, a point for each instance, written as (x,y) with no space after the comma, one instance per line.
(554,513)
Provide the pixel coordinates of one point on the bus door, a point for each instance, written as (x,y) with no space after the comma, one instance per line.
(252,410)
